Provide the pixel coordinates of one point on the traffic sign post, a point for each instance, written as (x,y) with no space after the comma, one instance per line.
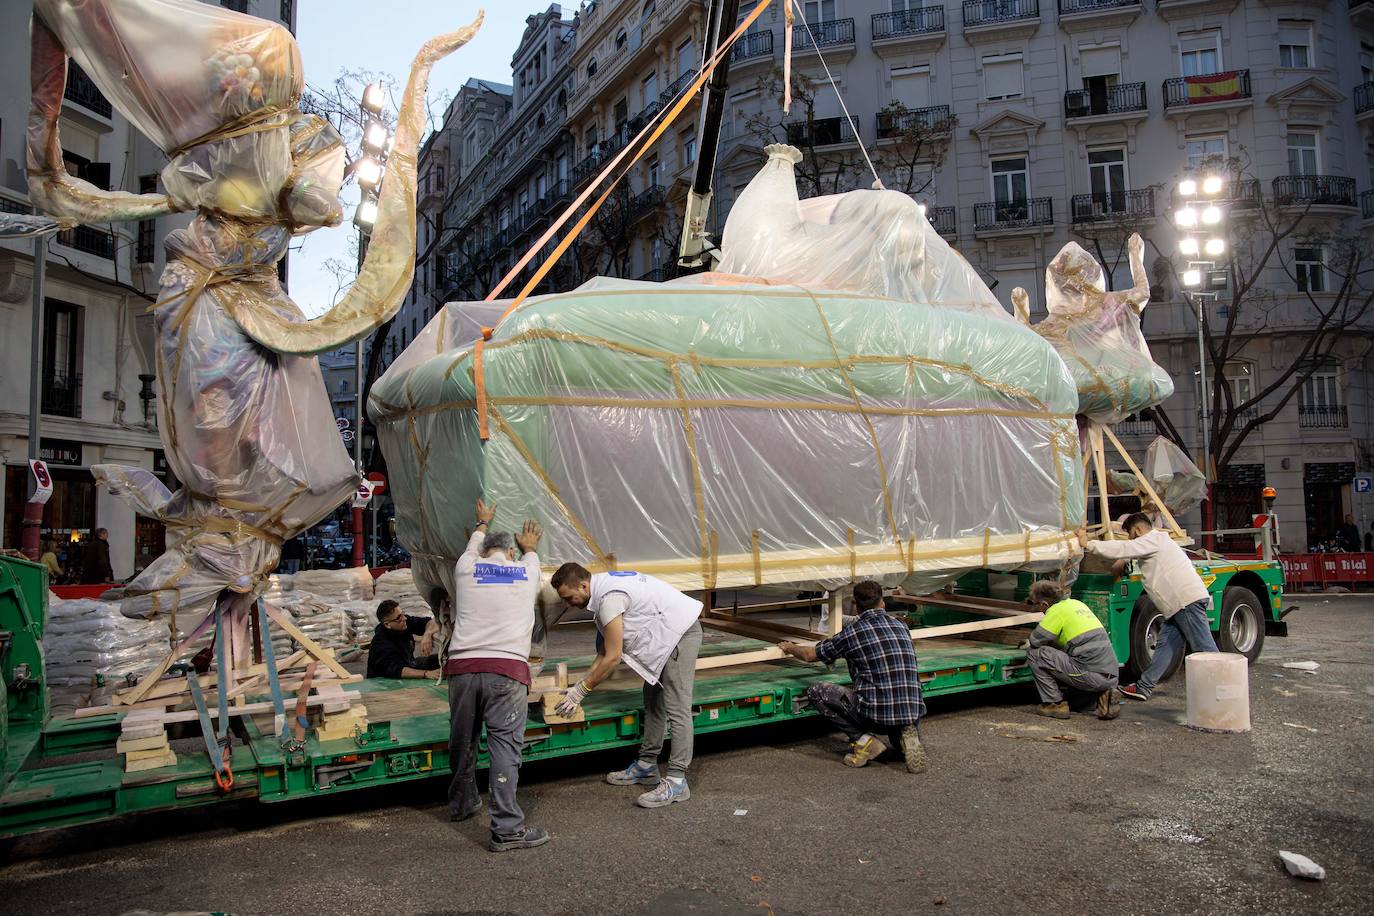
(42,481)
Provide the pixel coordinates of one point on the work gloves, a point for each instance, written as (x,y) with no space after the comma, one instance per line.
(568,706)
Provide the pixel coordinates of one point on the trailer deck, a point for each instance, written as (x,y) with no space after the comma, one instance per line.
(73,774)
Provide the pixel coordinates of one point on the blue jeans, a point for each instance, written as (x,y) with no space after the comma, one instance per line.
(1189,626)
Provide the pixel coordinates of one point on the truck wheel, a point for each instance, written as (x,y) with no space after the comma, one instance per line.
(1146,624)
(1242,623)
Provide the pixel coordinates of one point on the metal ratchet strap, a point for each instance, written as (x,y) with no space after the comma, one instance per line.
(279,725)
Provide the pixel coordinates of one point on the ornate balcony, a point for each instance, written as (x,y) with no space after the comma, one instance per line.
(1035,213)
(647,202)
(1114,206)
(994,19)
(1220,90)
(1333,417)
(833,33)
(944,220)
(910,30)
(1107,104)
(61,393)
(83,91)
(893,124)
(90,240)
(1082,15)
(1367,205)
(820,132)
(751,48)
(1364,101)
(1314,190)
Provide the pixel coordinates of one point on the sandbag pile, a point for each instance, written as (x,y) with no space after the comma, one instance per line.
(335,586)
(399,585)
(91,649)
(325,623)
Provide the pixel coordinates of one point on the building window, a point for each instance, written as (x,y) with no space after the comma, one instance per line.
(145,251)
(1203,151)
(689,145)
(1002,77)
(1309,269)
(622,38)
(288,11)
(686,60)
(649,89)
(1107,177)
(653,171)
(591,68)
(61,359)
(911,86)
(1199,53)
(1322,390)
(1240,379)
(238,6)
(1295,43)
(561,168)
(1302,153)
(818,11)
(541,187)
(1010,183)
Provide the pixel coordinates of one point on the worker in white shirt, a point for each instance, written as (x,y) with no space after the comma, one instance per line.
(1173,584)
(656,630)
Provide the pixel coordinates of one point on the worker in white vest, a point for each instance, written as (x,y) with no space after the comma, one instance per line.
(656,630)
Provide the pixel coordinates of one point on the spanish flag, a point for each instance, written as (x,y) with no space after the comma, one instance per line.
(1215,87)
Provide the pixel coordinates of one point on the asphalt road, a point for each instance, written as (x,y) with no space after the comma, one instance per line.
(1140,815)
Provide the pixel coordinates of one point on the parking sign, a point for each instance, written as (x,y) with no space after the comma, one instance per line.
(1364,483)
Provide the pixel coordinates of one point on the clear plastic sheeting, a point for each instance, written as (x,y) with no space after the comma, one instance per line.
(1175,478)
(1098,334)
(716,432)
(874,242)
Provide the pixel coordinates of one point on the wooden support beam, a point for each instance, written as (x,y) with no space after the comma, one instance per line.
(317,652)
(1100,465)
(757,629)
(1145,482)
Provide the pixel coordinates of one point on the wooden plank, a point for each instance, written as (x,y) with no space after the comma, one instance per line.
(759,629)
(125,745)
(973,604)
(1100,464)
(1144,482)
(974,626)
(318,652)
(551,716)
(152,763)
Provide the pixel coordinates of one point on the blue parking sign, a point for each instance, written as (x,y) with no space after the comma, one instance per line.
(1364,483)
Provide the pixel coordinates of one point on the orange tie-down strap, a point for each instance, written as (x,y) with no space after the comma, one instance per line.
(641,144)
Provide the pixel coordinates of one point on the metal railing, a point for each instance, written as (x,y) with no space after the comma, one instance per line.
(751,46)
(90,240)
(1112,205)
(895,123)
(1364,97)
(1204,89)
(943,219)
(1134,426)
(1092,6)
(828,34)
(1328,190)
(61,393)
(657,275)
(682,82)
(1243,194)
(820,132)
(1085,103)
(908,22)
(645,202)
(83,91)
(1367,204)
(1333,417)
(9,205)
(1014,214)
(987,12)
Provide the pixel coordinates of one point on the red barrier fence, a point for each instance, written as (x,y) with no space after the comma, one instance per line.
(1305,570)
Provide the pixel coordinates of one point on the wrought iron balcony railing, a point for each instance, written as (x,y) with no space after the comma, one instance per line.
(1202,90)
(920,21)
(1013,214)
(61,393)
(988,12)
(1364,97)
(1333,417)
(820,132)
(751,46)
(1068,7)
(943,219)
(1087,103)
(828,34)
(90,240)
(1106,206)
(1318,190)
(895,123)
(83,91)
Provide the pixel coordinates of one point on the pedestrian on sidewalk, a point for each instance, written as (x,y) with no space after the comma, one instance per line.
(885,698)
(488,674)
(1173,585)
(656,630)
(1070,649)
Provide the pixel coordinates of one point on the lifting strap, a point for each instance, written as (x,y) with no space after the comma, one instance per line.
(216,738)
(641,144)
(279,724)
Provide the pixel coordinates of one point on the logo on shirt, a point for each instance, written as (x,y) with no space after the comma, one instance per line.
(622,572)
(498,574)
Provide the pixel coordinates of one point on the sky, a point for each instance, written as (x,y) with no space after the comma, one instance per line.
(383,37)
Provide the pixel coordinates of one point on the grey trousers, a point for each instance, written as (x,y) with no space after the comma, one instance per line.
(669,703)
(1054,668)
(502,704)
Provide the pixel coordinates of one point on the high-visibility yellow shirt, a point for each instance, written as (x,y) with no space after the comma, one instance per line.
(1068,620)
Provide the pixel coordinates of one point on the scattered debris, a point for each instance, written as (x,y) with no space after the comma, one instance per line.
(1302,666)
(756,877)
(1296,725)
(939,901)
(741,812)
(1279,676)
(1053,739)
(865,861)
(1299,866)
(1285,693)
(1156,829)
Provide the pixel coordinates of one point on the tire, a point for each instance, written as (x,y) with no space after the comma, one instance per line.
(1242,623)
(1145,625)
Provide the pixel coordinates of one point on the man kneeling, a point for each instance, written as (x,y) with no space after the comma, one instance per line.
(1070,648)
(886,696)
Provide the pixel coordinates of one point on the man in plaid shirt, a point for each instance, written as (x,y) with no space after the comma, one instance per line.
(886,696)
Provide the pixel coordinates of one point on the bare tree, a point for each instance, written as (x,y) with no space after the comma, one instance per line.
(828,165)
(912,146)
(1314,316)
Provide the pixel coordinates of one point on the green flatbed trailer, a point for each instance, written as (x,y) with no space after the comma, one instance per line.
(64,771)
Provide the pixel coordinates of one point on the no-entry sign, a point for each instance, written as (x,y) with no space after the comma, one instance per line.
(42,481)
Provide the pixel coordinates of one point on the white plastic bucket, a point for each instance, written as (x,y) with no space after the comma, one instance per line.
(1218,692)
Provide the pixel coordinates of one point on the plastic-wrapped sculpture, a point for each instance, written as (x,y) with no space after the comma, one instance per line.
(243,412)
(809,414)
(1098,334)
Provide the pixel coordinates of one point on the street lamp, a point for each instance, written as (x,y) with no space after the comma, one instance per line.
(1201,221)
(370,170)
